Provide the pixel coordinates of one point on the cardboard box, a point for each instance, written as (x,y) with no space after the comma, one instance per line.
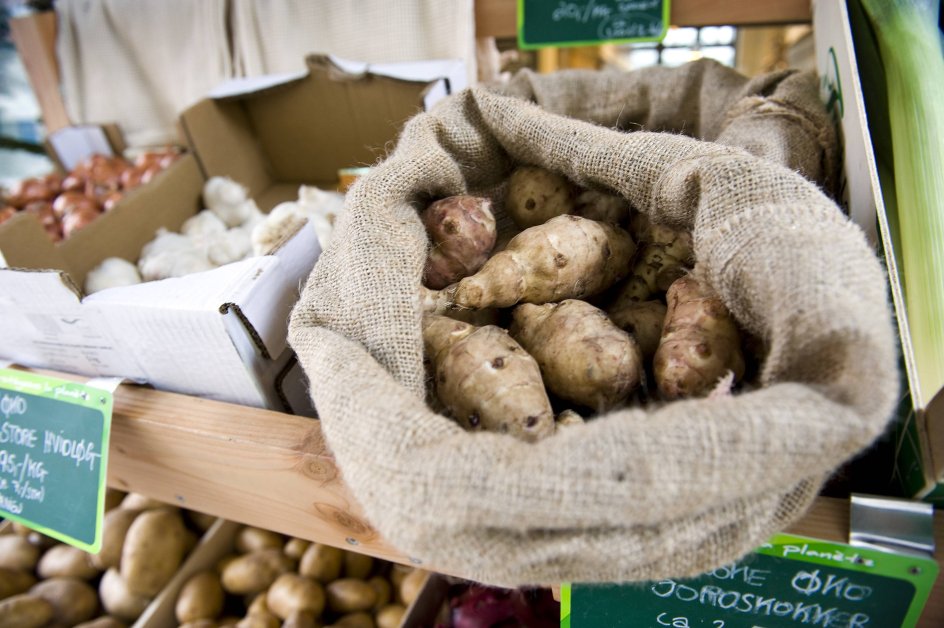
(220,334)
(274,133)
(843,44)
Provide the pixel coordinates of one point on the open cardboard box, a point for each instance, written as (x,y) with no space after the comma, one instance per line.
(274,133)
(843,42)
(219,334)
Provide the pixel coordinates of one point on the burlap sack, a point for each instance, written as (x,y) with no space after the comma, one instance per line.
(635,494)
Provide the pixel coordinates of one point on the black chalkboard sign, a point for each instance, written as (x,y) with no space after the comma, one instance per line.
(584,22)
(54,456)
(790,582)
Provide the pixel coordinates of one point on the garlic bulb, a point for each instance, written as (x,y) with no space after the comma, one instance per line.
(204,224)
(113,272)
(230,246)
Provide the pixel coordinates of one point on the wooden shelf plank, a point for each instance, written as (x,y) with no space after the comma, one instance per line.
(499,18)
(274,471)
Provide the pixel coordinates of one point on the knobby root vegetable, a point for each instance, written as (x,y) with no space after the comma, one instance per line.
(350,595)
(700,342)
(486,380)
(112,273)
(201,597)
(643,321)
(664,256)
(567,418)
(584,357)
(536,195)
(73,600)
(439,302)
(462,234)
(291,593)
(601,206)
(153,550)
(568,257)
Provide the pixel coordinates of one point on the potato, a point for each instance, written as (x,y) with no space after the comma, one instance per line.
(253,573)
(114,530)
(223,562)
(398,572)
(322,562)
(384,591)
(199,623)
(16,552)
(257,603)
(103,622)
(201,597)
(296,548)
(411,586)
(73,601)
(535,195)
(250,539)
(200,521)
(65,561)
(355,620)
(118,600)
(25,611)
(153,550)
(390,616)
(137,501)
(462,233)
(300,619)
(357,565)
(291,593)
(350,595)
(14,582)
(259,620)
(113,498)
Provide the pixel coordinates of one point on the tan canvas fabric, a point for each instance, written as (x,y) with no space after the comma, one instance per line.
(667,491)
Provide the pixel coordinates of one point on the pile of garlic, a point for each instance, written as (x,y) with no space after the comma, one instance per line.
(230,229)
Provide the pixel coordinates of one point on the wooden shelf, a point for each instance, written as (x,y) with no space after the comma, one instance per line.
(273,470)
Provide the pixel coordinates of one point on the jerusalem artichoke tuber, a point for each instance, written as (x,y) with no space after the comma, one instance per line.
(536,195)
(584,357)
(486,380)
(462,233)
(643,320)
(700,342)
(568,257)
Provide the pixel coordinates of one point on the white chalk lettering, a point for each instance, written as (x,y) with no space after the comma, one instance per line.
(80,451)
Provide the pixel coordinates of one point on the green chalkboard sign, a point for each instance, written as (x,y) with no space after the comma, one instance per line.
(790,582)
(54,455)
(584,22)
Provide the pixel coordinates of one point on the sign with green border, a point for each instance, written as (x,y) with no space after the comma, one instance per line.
(791,581)
(544,23)
(54,455)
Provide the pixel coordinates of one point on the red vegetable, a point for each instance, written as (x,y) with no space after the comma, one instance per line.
(69,201)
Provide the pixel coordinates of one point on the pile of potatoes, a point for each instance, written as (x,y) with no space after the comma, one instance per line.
(270,580)
(576,306)
(44,583)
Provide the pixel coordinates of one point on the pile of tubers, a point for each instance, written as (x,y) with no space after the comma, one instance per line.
(589,307)
(47,584)
(271,580)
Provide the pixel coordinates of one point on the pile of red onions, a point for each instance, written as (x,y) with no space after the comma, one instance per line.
(66,204)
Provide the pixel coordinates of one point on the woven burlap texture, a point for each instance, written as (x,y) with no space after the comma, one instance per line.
(636,494)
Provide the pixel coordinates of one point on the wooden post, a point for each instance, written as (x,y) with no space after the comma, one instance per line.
(35,40)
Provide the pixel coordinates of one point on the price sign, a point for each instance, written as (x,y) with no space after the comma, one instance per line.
(54,455)
(585,22)
(789,582)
